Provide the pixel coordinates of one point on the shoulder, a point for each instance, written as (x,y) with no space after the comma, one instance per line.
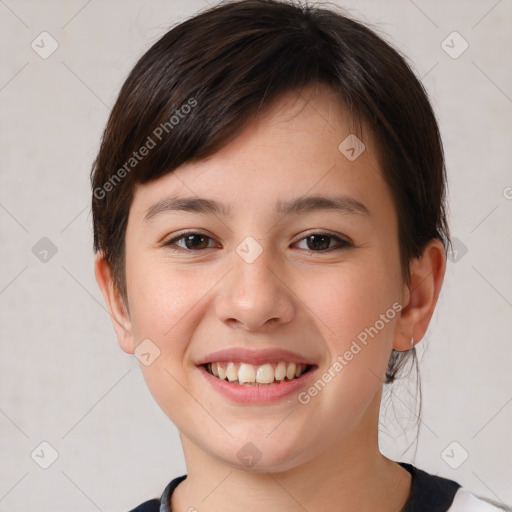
(160,504)
(464,501)
(148,506)
(434,493)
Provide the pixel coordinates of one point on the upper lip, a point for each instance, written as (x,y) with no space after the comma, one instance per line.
(256,357)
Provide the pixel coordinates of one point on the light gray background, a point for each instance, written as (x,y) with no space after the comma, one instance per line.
(63,378)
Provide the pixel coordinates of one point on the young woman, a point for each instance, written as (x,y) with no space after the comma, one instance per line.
(269,221)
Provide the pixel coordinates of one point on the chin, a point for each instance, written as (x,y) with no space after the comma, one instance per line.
(259,454)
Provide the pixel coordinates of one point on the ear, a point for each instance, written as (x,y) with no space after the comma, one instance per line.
(115,304)
(420,295)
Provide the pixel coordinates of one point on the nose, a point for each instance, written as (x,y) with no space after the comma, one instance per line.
(255,295)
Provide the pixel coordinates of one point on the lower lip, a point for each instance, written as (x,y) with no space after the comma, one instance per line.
(257,394)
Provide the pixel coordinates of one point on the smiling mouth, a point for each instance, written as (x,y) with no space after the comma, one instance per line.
(256,375)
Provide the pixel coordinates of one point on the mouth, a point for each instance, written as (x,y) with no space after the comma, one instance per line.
(257,377)
(244,385)
(267,374)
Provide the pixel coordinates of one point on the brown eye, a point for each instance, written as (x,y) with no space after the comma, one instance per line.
(321,242)
(192,241)
(315,242)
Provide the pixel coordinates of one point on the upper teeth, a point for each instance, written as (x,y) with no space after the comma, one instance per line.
(263,374)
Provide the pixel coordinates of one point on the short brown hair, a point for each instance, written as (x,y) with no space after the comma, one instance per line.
(207,78)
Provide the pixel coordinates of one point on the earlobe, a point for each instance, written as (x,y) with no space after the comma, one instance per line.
(115,304)
(420,295)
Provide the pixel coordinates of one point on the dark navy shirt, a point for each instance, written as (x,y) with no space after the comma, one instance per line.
(429,493)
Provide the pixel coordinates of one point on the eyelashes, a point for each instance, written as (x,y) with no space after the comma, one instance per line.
(321,236)
(172,243)
(196,241)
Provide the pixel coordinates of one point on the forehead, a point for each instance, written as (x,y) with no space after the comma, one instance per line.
(296,146)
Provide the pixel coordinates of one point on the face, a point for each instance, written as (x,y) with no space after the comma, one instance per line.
(320,282)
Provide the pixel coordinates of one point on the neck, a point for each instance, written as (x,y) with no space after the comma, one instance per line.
(350,477)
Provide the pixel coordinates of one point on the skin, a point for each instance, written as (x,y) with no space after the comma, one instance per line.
(319,456)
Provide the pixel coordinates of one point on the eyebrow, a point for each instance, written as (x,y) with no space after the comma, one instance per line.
(299,205)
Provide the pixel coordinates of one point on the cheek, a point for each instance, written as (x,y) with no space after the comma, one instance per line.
(352,297)
(161,300)
(166,306)
(356,308)
(359,343)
